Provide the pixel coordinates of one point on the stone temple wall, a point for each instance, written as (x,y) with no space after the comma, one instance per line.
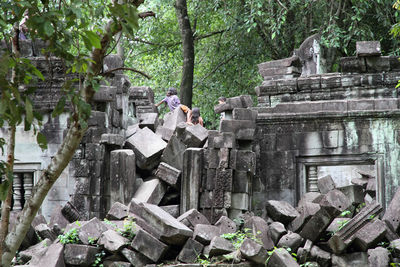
(341,119)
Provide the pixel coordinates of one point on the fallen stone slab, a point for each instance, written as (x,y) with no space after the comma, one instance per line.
(318,223)
(370,234)
(368,48)
(149,120)
(378,257)
(203,233)
(345,236)
(291,240)
(37,250)
(54,256)
(172,209)
(135,258)
(281,211)
(253,251)
(151,191)
(148,148)
(303,253)
(281,257)
(57,220)
(190,251)
(118,211)
(195,136)
(392,214)
(276,231)
(360,181)
(171,121)
(173,153)
(122,175)
(325,184)
(168,173)
(218,246)
(354,193)
(91,230)
(149,246)
(321,256)
(259,229)
(193,217)
(356,259)
(225,225)
(307,210)
(169,229)
(44,231)
(308,197)
(112,241)
(82,255)
(336,199)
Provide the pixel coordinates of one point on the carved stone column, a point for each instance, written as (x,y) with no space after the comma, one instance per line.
(17,192)
(312,179)
(28,184)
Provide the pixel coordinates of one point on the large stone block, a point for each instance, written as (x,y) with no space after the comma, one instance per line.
(191,179)
(291,240)
(168,173)
(82,255)
(281,211)
(318,223)
(135,258)
(321,256)
(307,210)
(148,148)
(34,252)
(345,236)
(392,214)
(54,256)
(368,48)
(149,120)
(122,175)
(354,193)
(203,233)
(169,229)
(336,199)
(173,153)
(218,246)
(370,234)
(281,257)
(243,129)
(356,259)
(276,231)
(195,136)
(221,140)
(244,114)
(149,246)
(105,94)
(151,191)
(192,217)
(190,251)
(112,241)
(91,230)
(378,257)
(171,120)
(253,251)
(325,184)
(118,211)
(281,63)
(225,225)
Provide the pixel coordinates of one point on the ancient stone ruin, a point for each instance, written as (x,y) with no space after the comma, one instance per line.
(308,176)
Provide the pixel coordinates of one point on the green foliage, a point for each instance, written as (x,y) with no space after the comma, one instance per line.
(129,228)
(270,252)
(70,237)
(345,213)
(238,237)
(204,260)
(99,259)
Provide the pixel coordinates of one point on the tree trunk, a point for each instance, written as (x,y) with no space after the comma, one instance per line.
(6,204)
(186,89)
(62,157)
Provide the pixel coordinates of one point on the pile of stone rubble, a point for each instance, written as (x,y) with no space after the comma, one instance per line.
(333,227)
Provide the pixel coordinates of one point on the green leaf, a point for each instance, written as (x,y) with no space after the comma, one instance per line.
(93,38)
(59,107)
(4,190)
(48,28)
(41,140)
(28,111)
(273,35)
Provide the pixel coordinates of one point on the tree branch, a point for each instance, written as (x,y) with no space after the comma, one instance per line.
(123,68)
(146,14)
(214,70)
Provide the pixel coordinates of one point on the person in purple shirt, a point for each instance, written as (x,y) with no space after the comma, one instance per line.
(172,100)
